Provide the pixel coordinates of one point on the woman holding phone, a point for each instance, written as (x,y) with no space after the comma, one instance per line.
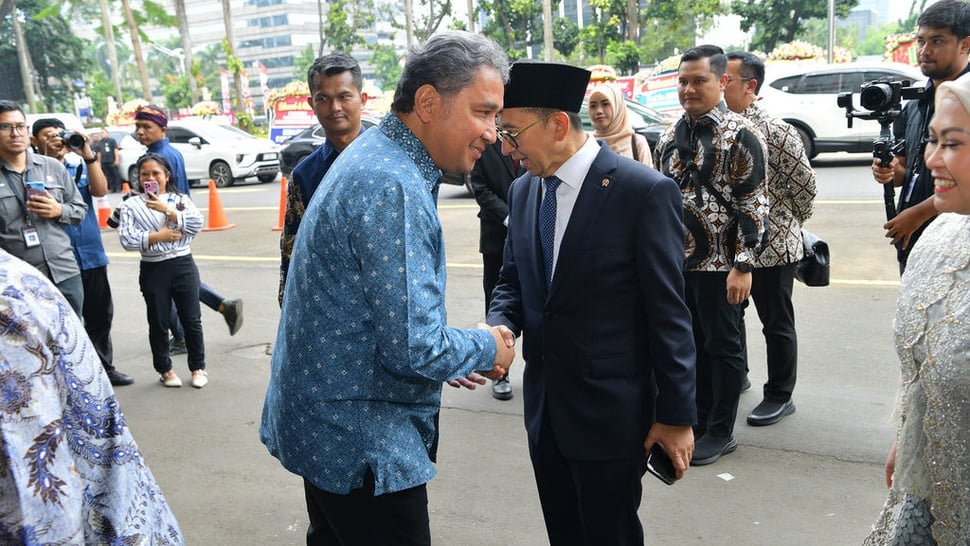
(161,224)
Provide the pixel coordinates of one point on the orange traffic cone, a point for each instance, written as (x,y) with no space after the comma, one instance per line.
(216,219)
(279,225)
(104,211)
(125,188)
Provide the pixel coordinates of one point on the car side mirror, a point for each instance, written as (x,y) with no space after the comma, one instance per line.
(196,141)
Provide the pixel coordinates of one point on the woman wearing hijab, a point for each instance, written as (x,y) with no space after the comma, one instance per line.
(928,468)
(611,124)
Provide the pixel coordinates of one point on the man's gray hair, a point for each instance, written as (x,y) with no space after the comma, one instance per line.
(449,61)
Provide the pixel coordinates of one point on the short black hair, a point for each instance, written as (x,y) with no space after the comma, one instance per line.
(10,106)
(44,123)
(949,14)
(751,66)
(333,64)
(707,51)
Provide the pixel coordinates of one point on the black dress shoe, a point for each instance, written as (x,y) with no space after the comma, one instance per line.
(769,413)
(119,379)
(710,448)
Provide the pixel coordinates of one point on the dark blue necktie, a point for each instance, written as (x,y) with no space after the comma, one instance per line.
(547,225)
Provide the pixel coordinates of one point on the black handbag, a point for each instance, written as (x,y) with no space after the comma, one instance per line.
(813,269)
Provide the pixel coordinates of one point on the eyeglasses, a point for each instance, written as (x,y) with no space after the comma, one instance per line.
(742,80)
(502,134)
(13,128)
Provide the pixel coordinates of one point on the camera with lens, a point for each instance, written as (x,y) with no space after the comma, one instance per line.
(882,101)
(72,139)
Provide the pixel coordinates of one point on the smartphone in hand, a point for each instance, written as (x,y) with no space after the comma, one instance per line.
(35,188)
(150,186)
(660,465)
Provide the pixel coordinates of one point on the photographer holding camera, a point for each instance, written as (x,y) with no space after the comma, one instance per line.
(51,139)
(943,43)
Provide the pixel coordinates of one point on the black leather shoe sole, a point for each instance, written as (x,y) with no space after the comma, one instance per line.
(119,379)
(769,413)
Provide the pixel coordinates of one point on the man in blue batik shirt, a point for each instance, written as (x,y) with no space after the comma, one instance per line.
(363,344)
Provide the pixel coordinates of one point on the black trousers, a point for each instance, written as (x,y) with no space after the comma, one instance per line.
(771,290)
(176,279)
(587,503)
(720,352)
(98,312)
(362,519)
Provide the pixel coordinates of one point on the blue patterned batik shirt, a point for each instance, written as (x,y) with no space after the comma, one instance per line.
(70,472)
(363,346)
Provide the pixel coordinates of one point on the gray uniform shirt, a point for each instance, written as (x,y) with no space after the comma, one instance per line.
(54,256)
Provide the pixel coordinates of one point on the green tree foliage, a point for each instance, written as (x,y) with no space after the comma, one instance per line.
(175,89)
(780,21)
(303,62)
(387,66)
(565,36)
(514,24)
(672,26)
(624,56)
(603,29)
(57,54)
(344,19)
(875,41)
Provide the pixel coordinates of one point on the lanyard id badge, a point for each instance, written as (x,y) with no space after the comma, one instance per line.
(31,237)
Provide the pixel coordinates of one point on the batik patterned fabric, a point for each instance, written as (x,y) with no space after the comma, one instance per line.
(719,152)
(363,343)
(791,188)
(932,336)
(70,472)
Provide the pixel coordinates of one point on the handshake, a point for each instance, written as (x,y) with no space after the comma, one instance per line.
(504,354)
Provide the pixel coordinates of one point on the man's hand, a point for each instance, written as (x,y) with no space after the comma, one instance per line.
(677,441)
(44,206)
(738,286)
(471,382)
(504,351)
(905,223)
(885,175)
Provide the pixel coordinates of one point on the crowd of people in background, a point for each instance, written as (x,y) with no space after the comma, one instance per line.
(634,351)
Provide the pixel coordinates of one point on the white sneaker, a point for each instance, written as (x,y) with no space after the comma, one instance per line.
(170,379)
(199,379)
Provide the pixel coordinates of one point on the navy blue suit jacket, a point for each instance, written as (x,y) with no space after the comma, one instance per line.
(609,349)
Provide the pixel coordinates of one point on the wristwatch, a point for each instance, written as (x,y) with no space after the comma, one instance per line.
(90,161)
(742,262)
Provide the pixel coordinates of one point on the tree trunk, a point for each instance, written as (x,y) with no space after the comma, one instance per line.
(231,40)
(146,88)
(320,22)
(183,24)
(471,15)
(26,68)
(109,47)
(408,22)
(633,21)
(547,29)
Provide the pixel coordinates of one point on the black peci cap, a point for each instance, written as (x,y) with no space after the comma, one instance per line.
(534,84)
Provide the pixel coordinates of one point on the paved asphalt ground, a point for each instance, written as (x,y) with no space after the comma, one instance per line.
(813,479)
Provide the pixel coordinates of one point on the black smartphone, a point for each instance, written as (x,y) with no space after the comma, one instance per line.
(660,465)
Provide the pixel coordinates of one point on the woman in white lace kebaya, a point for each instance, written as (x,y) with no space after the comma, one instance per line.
(928,469)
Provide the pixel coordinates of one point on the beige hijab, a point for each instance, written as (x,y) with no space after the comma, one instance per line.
(619,133)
